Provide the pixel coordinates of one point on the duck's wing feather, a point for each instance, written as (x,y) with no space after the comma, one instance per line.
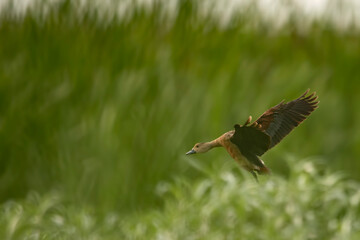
(250,139)
(278,121)
(251,142)
(272,126)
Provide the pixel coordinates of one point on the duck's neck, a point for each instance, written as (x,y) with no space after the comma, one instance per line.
(214,143)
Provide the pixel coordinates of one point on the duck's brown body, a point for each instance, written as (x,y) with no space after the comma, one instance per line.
(247,143)
(233,150)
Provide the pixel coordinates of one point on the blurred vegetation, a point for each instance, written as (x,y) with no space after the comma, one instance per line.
(103,113)
(311,204)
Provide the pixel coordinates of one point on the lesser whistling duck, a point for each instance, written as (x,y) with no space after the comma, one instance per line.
(249,141)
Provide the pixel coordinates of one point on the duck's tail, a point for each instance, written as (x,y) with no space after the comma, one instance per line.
(264,170)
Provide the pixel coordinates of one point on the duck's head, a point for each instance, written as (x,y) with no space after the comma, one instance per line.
(200,148)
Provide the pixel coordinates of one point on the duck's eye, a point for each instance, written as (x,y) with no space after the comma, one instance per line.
(197,146)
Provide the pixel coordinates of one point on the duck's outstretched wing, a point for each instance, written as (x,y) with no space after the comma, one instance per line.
(251,142)
(278,121)
(250,139)
(272,126)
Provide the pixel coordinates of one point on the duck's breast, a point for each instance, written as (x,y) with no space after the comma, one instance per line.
(233,150)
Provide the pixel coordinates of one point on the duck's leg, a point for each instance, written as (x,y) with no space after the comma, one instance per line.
(255,175)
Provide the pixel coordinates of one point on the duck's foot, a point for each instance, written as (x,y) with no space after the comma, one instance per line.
(255,175)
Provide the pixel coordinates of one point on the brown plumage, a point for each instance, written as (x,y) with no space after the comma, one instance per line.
(250,141)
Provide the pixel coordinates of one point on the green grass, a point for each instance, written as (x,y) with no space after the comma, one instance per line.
(223,204)
(101,114)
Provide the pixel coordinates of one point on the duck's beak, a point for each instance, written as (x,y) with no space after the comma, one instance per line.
(192,151)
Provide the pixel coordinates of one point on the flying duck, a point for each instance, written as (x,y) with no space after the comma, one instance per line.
(250,141)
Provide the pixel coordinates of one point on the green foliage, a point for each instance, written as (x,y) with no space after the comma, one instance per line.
(104,110)
(311,204)
(47,217)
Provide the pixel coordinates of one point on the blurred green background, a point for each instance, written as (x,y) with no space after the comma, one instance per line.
(97,111)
